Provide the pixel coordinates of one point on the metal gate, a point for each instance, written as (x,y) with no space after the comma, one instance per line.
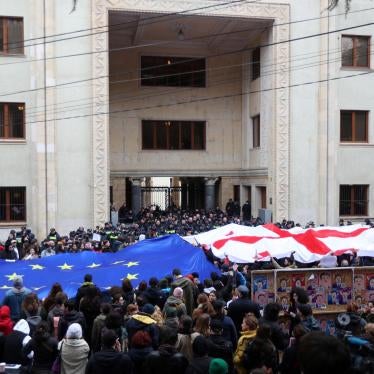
(164,197)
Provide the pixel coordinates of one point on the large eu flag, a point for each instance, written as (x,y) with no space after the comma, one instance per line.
(145,259)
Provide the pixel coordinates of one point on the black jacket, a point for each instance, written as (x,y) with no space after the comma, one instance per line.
(238,309)
(67,319)
(166,361)
(199,365)
(109,361)
(45,352)
(278,337)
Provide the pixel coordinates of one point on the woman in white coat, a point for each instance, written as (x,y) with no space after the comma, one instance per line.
(74,351)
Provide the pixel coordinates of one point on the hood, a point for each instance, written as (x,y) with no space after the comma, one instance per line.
(144,319)
(108,359)
(181,282)
(172,300)
(4,312)
(22,326)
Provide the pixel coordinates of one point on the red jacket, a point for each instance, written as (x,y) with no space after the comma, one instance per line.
(6,324)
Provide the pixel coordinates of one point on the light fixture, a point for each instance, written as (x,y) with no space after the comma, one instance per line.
(21,107)
(180,34)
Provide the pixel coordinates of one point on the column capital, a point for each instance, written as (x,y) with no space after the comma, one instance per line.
(210,181)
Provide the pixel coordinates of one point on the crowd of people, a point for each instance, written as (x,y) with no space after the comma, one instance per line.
(150,223)
(177,324)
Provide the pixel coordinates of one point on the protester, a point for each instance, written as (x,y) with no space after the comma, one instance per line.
(74,351)
(110,359)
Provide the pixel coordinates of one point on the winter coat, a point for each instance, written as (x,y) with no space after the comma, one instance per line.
(239,308)
(97,327)
(138,357)
(153,296)
(67,319)
(109,361)
(219,347)
(6,324)
(311,324)
(14,344)
(199,365)
(142,321)
(174,302)
(13,299)
(188,292)
(74,355)
(245,338)
(45,352)
(166,361)
(229,330)
(277,336)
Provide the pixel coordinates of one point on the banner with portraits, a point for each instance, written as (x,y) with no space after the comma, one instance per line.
(329,290)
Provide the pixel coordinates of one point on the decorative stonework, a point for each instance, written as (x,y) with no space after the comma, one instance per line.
(278,186)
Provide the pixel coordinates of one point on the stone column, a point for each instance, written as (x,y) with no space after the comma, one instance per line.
(210,198)
(136,193)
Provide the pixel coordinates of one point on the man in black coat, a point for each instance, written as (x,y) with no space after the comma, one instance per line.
(110,359)
(238,308)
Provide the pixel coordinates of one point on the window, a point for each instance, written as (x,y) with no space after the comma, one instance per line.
(256,65)
(172,71)
(355,51)
(11,35)
(353,200)
(353,126)
(12,120)
(12,204)
(173,135)
(256,131)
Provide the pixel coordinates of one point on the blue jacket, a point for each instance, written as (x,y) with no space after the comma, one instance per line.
(13,299)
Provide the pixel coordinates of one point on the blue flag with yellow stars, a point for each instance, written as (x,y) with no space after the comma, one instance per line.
(141,261)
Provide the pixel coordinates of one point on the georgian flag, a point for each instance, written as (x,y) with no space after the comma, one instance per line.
(244,244)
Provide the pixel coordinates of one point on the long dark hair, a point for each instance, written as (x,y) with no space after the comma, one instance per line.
(41,333)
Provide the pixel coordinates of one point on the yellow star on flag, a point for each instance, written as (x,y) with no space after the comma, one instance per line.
(37,267)
(5,287)
(13,276)
(132,276)
(65,266)
(93,265)
(117,262)
(38,288)
(130,263)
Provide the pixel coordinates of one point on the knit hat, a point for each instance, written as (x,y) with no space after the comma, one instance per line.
(74,331)
(178,292)
(18,282)
(218,366)
(148,309)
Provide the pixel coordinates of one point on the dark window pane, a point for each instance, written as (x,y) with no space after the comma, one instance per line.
(2,123)
(345,200)
(199,131)
(16,120)
(12,204)
(147,135)
(256,132)
(1,35)
(174,135)
(172,71)
(346,126)
(347,51)
(161,140)
(360,127)
(186,135)
(2,204)
(256,64)
(15,35)
(362,53)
